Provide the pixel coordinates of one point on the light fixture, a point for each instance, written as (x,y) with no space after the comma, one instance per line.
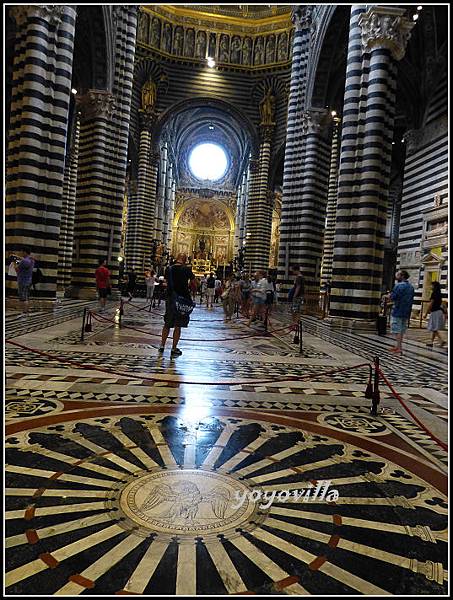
(403,140)
(211,62)
(333,113)
(211,126)
(415,17)
(74,91)
(419,7)
(120,259)
(393,143)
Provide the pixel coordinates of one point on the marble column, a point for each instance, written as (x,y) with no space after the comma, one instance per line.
(68,209)
(103,162)
(365,160)
(259,210)
(331,211)
(35,158)
(142,206)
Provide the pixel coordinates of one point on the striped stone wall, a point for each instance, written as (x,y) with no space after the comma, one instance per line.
(35,158)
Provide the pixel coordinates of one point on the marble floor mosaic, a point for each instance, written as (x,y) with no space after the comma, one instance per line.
(121,484)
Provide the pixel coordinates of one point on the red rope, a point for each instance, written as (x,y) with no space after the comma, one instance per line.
(398,397)
(130,376)
(98,317)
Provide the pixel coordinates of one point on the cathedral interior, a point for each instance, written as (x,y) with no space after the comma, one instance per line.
(265,459)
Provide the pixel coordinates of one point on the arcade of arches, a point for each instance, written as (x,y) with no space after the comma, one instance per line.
(293,453)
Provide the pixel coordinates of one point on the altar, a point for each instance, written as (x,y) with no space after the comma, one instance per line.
(201,266)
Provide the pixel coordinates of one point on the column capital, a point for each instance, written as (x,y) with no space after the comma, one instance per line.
(301,17)
(96,103)
(315,120)
(154,159)
(254,165)
(147,120)
(386,27)
(266,133)
(51,12)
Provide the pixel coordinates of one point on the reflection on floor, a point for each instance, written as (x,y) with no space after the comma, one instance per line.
(210,474)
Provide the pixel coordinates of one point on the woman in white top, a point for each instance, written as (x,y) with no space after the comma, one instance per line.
(150,280)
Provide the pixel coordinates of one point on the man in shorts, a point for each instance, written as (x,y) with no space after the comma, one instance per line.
(177,277)
(402,297)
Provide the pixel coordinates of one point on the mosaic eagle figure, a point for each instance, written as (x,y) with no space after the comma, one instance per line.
(186,498)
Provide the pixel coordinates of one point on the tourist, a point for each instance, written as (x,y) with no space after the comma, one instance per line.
(402,297)
(24,271)
(177,277)
(230,296)
(437,314)
(296,296)
(270,295)
(150,280)
(218,289)
(210,290)
(36,278)
(194,288)
(102,275)
(131,282)
(258,294)
(246,287)
(203,287)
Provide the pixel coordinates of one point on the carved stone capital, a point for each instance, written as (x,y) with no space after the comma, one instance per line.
(267,132)
(301,17)
(96,103)
(254,165)
(315,120)
(386,27)
(154,159)
(51,13)
(147,120)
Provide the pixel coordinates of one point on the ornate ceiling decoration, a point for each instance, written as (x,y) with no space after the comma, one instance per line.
(188,34)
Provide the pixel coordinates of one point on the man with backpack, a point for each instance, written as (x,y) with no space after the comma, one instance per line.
(178,303)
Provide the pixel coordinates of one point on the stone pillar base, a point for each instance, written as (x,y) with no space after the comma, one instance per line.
(348,324)
(88,293)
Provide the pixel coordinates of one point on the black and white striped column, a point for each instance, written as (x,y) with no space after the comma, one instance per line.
(102,163)
(241,206)
(142,205)
(35,159)
(294,149)
(172,203)
(68,209)
(331,211)
(380,35)
(259,208)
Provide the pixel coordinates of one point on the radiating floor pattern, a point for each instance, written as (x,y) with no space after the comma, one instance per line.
(121,484)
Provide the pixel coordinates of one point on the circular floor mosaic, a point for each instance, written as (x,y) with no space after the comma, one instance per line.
(148,504)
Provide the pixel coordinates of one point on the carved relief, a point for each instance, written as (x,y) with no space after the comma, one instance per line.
(189,45)
(246,51)
(96,103)
(282,50)
(166,41)
(224,55)
(178,41)
(155,33)
(200,46)
(259,51)
(270,49)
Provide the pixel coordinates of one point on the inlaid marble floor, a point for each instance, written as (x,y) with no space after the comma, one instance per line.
(131,473)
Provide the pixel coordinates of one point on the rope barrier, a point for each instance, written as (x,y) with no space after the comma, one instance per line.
(154,378)
(416,419)
(99,317)
(154,312)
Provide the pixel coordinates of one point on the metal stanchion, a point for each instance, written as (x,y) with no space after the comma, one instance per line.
(376,397)
(369,387)
(88,325)
(300,336)
(82,335)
